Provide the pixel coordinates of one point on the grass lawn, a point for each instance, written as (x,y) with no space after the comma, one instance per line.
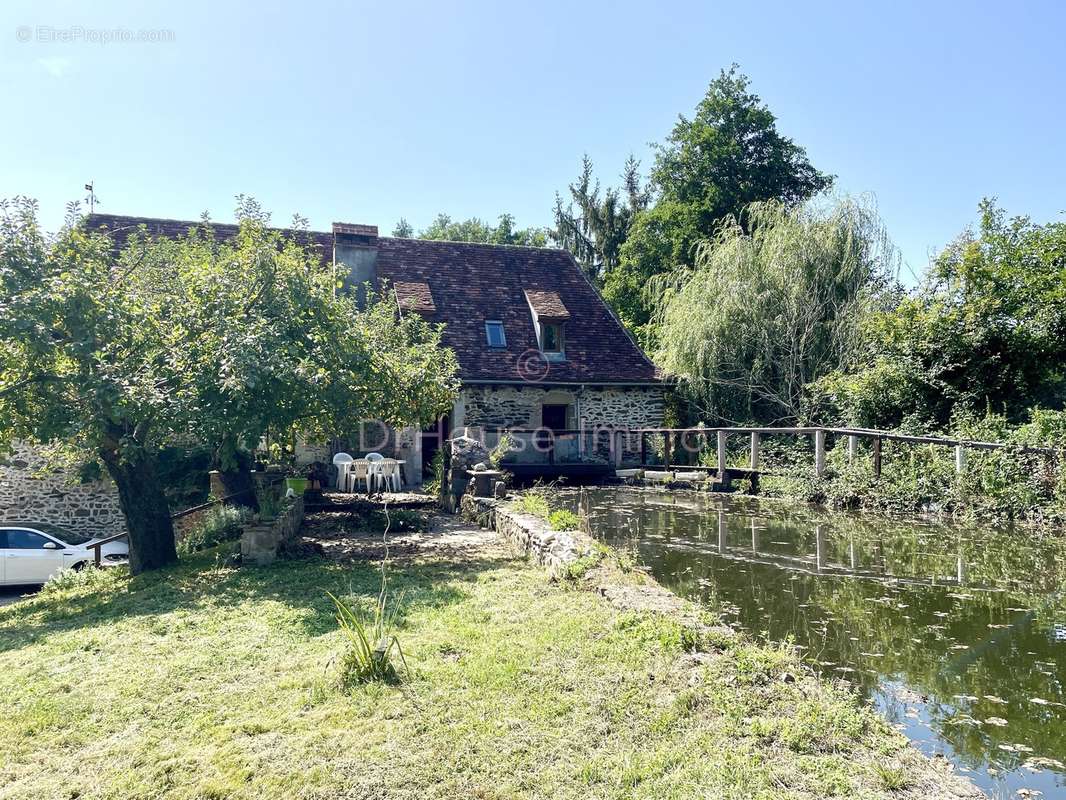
(209,682)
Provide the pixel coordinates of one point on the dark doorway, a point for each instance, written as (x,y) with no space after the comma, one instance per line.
(553,417)
(433,438)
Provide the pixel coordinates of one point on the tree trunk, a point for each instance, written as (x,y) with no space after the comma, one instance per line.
(141,497)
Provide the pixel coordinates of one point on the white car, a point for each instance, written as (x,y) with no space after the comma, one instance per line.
(32,552)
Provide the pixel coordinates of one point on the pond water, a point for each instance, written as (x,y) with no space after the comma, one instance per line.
(957,634)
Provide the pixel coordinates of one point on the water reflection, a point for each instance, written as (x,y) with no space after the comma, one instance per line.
(958,634)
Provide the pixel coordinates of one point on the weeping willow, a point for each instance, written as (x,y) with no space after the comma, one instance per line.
(773,302)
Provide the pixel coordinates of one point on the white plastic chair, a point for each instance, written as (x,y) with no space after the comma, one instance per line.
(343,463)
(389,472)
(373,471)
(359,472)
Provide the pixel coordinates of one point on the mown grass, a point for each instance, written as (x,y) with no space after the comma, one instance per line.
(212,682)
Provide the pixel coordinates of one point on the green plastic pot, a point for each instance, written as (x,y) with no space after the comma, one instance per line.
(298,485)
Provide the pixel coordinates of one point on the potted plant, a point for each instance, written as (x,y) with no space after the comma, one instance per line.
(269,502)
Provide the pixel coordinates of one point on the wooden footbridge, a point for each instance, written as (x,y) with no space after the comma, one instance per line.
(595,452)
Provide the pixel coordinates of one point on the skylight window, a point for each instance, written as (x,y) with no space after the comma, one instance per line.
(494,333)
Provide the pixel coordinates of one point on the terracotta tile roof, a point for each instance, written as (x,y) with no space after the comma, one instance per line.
(414,296)
(547,305)
(471,283)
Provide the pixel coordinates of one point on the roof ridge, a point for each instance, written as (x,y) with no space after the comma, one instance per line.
(97,216)
(535,248)
(138,219)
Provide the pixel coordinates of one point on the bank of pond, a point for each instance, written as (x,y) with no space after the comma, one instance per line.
(956,633)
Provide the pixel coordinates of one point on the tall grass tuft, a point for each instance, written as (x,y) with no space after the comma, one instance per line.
(371,643)
(90,578)
(534,501)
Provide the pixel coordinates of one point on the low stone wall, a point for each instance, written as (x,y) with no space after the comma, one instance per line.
(552,549)
(261,541)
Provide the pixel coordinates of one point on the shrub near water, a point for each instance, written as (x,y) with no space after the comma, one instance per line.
(533,502)
(563,520)
(1008,483)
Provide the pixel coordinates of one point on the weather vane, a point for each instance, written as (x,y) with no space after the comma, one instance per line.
(91,198)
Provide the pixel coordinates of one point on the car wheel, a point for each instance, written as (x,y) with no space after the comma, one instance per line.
(80,566)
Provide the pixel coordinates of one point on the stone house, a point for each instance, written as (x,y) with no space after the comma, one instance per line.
(539,351)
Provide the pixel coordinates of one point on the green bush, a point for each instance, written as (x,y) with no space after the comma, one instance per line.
(563,520)
(90,578)
(396,520)
(1009,482)
(268,498)
(220,524)
(576,570)
(435,485)
(533,502)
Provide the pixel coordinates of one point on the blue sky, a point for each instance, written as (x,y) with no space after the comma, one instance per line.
(365,113)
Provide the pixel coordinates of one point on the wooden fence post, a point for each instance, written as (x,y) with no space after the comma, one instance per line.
(721,455)
(666,451)
(643,449)
(819,452)
(754,449)
(853,447)
(877,457)
(960,459)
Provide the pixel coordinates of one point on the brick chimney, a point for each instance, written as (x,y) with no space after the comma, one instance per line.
(355,256)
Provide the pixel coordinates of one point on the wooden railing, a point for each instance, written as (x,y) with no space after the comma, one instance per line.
(247,493)
(819,434)
(96,546)
(675,440)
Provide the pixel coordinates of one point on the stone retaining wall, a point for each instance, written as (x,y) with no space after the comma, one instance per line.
(261,541)
(552,549)
(33,491)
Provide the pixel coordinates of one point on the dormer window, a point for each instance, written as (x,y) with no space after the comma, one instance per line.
(549,319)
(494,333)
(551,337)
(415,297)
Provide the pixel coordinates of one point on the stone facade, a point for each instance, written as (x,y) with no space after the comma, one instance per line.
(31,491)
(590,406)
(622,407)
